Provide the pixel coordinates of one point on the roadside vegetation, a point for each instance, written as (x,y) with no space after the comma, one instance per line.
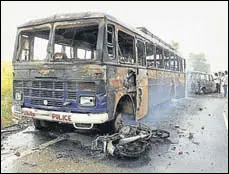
(6,93)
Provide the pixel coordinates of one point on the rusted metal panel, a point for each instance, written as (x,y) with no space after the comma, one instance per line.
(117,86)
(59,84)
(182,78)
(142,94)
(117,79)
(162,85)
(152,74)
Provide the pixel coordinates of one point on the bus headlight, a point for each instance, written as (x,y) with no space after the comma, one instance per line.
(87,101)
(18,96)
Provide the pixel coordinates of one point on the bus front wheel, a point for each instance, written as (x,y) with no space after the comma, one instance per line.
(118,122)
(123,119)
(204,90)
(40,124)
(112,126)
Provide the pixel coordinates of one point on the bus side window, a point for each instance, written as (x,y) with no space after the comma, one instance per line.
(159,62)
(84,54)
(141,53)
(110,41)
(172,64)
(126,48)
(176,63)
(149,55)
(166,59)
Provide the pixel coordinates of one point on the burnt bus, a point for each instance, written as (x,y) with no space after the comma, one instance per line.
(200,82)
(89,69)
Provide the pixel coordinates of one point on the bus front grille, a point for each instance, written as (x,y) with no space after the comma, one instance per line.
(55,92)
(40,102)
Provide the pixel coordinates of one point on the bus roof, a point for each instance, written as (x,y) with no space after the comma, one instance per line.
(65,17)
(142,31)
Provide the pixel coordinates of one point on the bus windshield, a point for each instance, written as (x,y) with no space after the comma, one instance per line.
(75,43)
(33,44)
(70,43)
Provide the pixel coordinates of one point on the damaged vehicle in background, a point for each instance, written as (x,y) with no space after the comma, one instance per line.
(89,69)
(200,82)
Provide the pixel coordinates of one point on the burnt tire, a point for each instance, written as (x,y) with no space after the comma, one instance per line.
(204,90)
(37,124)
(117,123)
(121,120)
(40,124)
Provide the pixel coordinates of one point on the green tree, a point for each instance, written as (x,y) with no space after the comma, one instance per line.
(175,45)
(198,62)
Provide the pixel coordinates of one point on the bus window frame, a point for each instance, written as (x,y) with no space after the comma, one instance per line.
(122,29)
(160,57)
(107,57)
(144,52)
(153,48)
(179,60)
(167,59)
(176,67)
(18,45)
(79,23)
(179,64)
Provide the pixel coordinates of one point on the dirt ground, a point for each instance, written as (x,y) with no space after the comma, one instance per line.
(198,142)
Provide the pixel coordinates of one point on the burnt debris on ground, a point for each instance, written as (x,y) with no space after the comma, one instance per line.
(131,141)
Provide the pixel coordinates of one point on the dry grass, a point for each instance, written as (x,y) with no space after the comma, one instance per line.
(6,92)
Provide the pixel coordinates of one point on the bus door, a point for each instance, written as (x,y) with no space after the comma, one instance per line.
(141,82)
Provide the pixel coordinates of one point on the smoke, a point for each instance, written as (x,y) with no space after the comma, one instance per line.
(158,113)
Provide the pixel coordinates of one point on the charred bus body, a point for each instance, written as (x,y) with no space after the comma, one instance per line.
(89,68)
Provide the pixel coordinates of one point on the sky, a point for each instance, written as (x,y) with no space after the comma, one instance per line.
(197,26)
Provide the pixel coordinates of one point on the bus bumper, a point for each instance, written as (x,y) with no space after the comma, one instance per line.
(62,117)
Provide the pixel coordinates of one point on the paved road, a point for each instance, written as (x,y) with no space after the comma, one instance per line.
(206,150)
